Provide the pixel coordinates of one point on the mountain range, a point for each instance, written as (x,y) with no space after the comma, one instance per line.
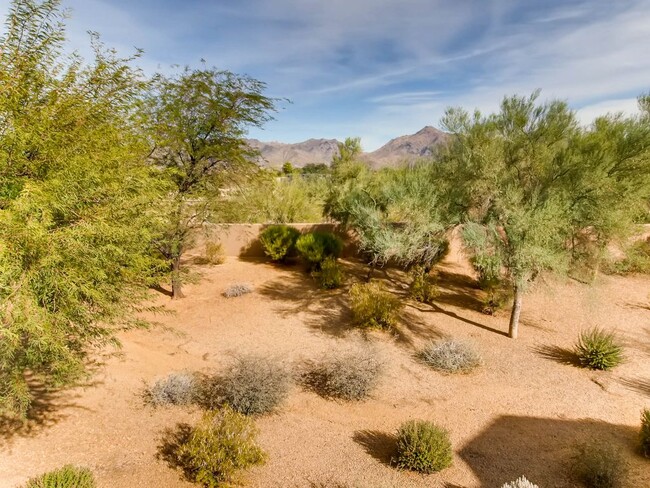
(315,151)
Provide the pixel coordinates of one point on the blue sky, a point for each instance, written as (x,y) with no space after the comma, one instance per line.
(383,68)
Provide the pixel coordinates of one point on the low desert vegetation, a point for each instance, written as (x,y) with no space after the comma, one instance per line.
(600,465)
(330,275)
(179,388)
(348,375)
(373,306)
(451,356)
(423,286)
(222,445)
(636,260)
(252,386)
(520,483)
(214,253)
(68,476)
(315,247)
(422,446)
(237,290)
(279,242)
(599,349)
(644,434)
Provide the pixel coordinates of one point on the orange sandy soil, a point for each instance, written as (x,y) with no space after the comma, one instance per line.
(521,413)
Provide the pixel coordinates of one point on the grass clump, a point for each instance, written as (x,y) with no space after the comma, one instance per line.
(330,275)
(175,389)
(214,253)
(349,375)
(423,446)
(600,465)
(598,349)
(644,435)
(253,385)
(423,287)
(314,247)
(237,290)
(451,356)
(66,477)
(373,306)
(520,483)
(219,447)
(279,241)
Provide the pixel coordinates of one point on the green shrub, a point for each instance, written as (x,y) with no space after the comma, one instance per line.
(423,288)
(253,385)
(422,446)
(600,465)
(644,435)
(175,389)
(330,275)
(350,375)
(372,306)
(598,349)
(222,444)
(497,296)
(451,356)
(520,483)
(279,241)
(636,260)
(66,477)
(214,253)
(314,247)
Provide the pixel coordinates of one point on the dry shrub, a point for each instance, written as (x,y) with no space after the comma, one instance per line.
(252,385)
(348,375)
(66,477)
(600,465)
(214,253)
(644,435)
(222,444)
(451,356)
(423,287)
(237,290)
(423,446)
(520,483)
(373,306)
(175,389)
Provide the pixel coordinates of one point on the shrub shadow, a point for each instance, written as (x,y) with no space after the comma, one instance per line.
(636,384)
(558,354)
(540,448)
(172,438)
(380,445)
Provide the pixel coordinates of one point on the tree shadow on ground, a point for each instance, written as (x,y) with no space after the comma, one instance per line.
(48,407)
(380,445)
(558,354)
(542,449)
(638,385)
(172,438)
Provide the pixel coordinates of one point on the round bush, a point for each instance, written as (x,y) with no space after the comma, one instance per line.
(372,306)
(253,385)
(279,241)
(598,349)
(66,477)
(451,356)
(600,465)
(175,389)
(314,247)
(223,443)
(423,446)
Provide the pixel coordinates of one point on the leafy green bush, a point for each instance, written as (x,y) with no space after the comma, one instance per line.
(314,247)
(222,444)
(423,287)
(350,375)
(253,385)
(598,349)
(330,275)
(175,389)
(279,241)
(372,306)
(451,356)
(600,465)
(497,296)
(644,435)
(423,446)
(520,483)
(66,477)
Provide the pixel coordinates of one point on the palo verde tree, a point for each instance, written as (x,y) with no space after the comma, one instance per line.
(198,120)
(76,203)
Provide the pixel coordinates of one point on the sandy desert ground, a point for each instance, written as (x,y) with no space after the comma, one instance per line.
(521,413)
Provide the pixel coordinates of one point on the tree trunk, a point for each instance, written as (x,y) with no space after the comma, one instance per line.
(516,311)
(176,278)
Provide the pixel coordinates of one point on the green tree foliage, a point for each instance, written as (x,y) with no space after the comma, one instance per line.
(198,120)
(76,212)
(528,180)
